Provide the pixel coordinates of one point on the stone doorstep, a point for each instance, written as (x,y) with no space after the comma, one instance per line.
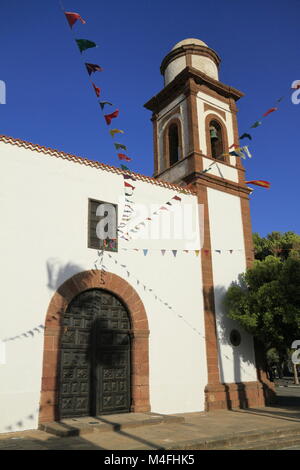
(244,439)
(110,423)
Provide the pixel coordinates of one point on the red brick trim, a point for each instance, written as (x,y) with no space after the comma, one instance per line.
(208,291)
(53,327)
(234,395)
(192,116)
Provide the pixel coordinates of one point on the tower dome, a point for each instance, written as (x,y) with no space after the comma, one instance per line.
(190,52)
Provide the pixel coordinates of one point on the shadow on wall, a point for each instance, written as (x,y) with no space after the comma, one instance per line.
(58,274)
(240,356)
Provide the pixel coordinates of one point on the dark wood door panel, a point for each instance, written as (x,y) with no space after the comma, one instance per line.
(95,356)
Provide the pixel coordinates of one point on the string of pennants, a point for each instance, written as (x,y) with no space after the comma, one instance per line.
(27,334)
(83,45)
(129,211)
(243,151)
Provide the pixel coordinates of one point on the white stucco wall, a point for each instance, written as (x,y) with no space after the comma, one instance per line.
(236,363)
(44,209)
(223,171)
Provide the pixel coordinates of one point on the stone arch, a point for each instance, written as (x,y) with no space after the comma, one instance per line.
(53,328)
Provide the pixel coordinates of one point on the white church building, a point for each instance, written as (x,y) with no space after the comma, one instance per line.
(136,322)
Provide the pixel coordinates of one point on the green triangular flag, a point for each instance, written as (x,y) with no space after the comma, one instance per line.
(256,124)
(120,146)
(103,103)
(84,44)
(124,167)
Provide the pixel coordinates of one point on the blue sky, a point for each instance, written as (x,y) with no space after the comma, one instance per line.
(50,100)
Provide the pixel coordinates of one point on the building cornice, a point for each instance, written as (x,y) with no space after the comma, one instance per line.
(178,86)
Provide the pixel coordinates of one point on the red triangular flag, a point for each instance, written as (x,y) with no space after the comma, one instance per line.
(271,110)
(128,185)
(97,90)
(109,117)
(121,156)
(177,198)
(73,17)
(162,208)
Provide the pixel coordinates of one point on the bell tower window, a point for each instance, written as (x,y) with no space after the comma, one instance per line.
(216,140)
(173,138)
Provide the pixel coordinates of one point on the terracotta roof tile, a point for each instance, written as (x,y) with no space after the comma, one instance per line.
(92,163)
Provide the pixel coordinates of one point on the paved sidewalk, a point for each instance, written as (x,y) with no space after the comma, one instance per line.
(198,431)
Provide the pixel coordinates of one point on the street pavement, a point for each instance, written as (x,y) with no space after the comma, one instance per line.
(213,430)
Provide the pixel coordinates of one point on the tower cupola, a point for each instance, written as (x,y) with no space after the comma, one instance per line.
(193,53)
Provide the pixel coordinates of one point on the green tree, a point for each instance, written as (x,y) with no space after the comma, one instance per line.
(266,300)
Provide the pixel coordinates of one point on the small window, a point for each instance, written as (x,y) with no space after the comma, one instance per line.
(102,225)
(235,337)
(173,144)
(216,140)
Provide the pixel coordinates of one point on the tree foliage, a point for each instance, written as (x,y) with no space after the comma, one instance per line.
(266,301)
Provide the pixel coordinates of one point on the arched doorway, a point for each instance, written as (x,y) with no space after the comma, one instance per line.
(94,376)
(54,329)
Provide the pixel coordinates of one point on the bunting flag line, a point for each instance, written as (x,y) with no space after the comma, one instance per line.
(103,103)
(128,185)
(108,117)
(128,177)
(256,124)
(207,169)
(115,131)
(122,156)
(271,110)
(246,149)
(92,68)
(120,146)
(262,183)
(72,17)
(84,44)
(97,90)
(142,223)
(243,136)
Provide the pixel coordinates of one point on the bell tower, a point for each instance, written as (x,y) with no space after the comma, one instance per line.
(194,127)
